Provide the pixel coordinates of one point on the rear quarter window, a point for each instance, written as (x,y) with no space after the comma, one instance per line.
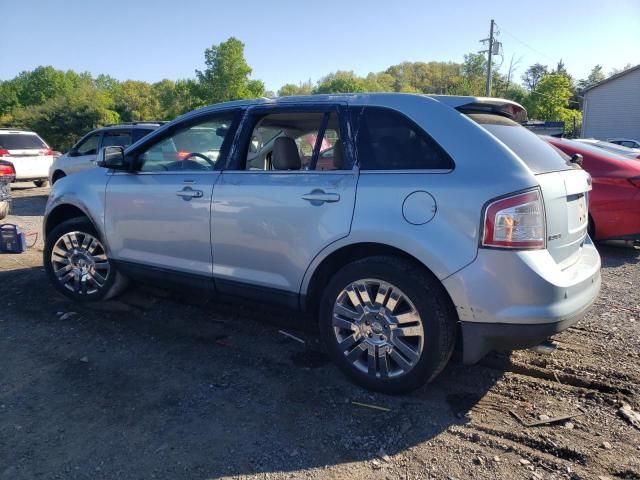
(388,140)
(537,154)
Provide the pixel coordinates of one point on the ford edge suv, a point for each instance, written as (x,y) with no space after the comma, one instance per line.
(437,217)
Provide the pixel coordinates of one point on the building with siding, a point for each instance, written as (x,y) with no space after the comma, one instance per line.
(611,108)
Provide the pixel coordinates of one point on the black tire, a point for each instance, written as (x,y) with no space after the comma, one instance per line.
(41,183)
(57,176)
(431,301)
(114,282)
(4,209)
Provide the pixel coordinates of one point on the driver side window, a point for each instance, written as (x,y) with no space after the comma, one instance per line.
(197,147)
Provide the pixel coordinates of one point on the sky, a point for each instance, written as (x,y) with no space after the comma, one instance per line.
(293,41)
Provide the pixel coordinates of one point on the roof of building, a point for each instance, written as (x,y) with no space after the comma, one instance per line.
(612,77)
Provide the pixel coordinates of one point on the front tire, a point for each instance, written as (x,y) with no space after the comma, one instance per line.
(77,264)
(387,323)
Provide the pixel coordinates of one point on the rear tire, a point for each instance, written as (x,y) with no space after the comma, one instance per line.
(77,263)
(387,323)
(41,183)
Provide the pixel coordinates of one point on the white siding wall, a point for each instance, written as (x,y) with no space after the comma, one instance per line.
(613,109)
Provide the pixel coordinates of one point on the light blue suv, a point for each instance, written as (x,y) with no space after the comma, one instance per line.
(398,221)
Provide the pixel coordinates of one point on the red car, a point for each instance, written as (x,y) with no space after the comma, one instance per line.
(614,202)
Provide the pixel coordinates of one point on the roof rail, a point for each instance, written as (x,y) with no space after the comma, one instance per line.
(142,122)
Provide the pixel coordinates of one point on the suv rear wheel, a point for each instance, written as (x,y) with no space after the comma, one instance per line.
(387,323)
(76,261)
(41,183)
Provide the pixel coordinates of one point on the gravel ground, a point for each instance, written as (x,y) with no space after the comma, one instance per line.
(158,384)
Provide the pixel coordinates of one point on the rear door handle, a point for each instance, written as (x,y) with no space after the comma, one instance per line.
(187,193)
(318,197)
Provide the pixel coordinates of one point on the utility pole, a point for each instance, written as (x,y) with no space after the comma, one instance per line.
(488,88)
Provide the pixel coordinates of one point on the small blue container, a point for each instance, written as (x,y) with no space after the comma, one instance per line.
(12,239)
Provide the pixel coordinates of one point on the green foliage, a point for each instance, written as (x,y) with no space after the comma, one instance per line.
(533,75)
(341,82)
(550,100)
(226,76)
(290,89)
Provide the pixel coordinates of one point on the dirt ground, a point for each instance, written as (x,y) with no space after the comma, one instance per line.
(158,384)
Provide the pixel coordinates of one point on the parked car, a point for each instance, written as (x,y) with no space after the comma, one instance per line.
(7,175)
(633,153)
(82,155)
(614,210)
(410,237)
(625,142)
(29,154)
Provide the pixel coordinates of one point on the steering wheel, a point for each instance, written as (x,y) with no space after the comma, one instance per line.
(199,155)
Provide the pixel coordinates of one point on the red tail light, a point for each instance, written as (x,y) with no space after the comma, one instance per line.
(48,151)
(635,181)
(4,152)
(515,222)
(7,169)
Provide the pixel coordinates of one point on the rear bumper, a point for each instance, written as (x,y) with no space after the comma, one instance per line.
(516,299)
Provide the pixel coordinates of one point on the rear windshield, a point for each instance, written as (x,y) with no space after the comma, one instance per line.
(539,156)
(20,141)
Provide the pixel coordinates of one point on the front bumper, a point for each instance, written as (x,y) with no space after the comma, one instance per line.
(516,299)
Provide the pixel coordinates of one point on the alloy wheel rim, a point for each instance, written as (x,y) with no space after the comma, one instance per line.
(378,328)
(80,263)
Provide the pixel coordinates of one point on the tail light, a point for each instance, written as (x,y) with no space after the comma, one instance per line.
(635,181)
(7,169)
(48,151)
(4,152)
(516,221)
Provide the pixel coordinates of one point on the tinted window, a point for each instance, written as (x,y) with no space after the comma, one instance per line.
(387,140)
(89,146)
(193,148)
(122,139)
(138,133)
(19,141)
(537,154)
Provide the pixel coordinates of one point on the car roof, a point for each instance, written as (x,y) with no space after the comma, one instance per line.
(132,125)
(4,131)
(487,104)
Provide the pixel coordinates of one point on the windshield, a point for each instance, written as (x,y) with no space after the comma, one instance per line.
(592,149)
(21,141)
(539,156)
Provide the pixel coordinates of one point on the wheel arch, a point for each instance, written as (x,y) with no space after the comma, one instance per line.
(57,175)
(64,212)
(311,291)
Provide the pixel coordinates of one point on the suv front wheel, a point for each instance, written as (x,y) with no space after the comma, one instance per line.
(387,323)
(76,261)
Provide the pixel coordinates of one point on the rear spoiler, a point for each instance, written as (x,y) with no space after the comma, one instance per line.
(496,106)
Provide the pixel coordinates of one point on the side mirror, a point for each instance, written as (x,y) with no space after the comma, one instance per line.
(577,159)
(111,157)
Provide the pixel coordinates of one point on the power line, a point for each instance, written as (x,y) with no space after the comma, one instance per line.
(527,45)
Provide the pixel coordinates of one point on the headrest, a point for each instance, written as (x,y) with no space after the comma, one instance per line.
(285,154)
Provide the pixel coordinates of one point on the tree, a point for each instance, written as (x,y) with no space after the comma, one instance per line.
(595,76)
(341,82)
(533,75)
(615,70)
(135,101)
(226,74)
(291,89)
(550,100)
(63,119)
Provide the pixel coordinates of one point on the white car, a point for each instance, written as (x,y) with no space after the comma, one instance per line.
(625,142)
(29,154)
(633,153)
(82,155)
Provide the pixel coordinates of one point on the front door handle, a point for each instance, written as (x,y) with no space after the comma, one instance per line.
(318,197)
(187,193)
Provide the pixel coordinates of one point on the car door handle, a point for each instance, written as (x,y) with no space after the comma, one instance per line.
(317,197)
(187,193)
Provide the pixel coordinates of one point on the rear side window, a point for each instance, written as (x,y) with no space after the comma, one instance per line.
(138,133)
(121,139)
(89,146)
(387,140)
(537,154)
(21,141)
